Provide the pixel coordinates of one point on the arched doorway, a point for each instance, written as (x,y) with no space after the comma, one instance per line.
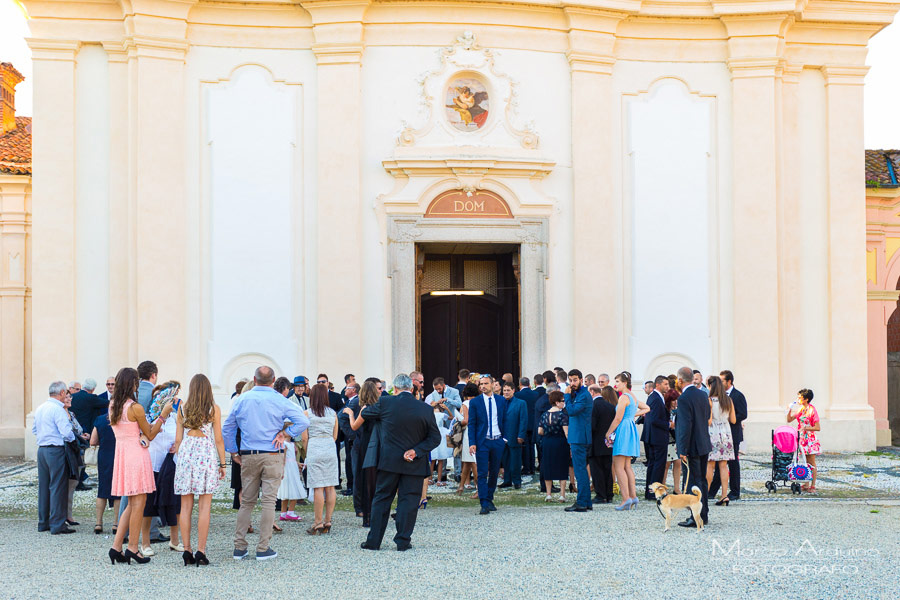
(893,370)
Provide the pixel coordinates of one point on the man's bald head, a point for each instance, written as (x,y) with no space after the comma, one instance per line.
(264,376)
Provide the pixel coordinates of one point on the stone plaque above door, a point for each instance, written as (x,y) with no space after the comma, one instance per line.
(459,204)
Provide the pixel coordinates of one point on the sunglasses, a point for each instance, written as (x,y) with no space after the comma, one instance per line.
(323,381)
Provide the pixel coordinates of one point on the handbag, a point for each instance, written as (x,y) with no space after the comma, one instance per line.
(800,470)
(90,455)
(74,463)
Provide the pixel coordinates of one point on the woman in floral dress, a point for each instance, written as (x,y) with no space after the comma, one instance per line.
(721,414)
(808,423)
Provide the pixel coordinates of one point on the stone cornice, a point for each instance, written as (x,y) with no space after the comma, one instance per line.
(338,54)
(144,46)
(53,49)
(844,74)
(883,295)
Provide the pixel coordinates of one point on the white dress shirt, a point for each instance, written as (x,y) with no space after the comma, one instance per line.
(159,446)
(51,424)
(490,405)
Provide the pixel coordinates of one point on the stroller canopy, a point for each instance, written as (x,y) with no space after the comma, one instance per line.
(785,439)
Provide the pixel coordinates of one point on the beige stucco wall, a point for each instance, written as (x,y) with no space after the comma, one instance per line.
(353,69)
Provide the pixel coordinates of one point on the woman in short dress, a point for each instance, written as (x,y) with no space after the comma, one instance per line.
(321,460)
(439,455)
(103,437)
(469,470)
(132,469)
(368,447)
(807,418)
(672,458)
(623,436)
(721,413)
(554,426)
(201,463)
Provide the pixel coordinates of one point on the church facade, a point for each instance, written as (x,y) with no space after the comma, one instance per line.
(375,186)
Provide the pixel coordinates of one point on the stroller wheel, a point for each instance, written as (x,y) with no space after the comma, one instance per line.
(795,488)
(770,486)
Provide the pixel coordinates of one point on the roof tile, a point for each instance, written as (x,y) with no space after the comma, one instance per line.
(15,148)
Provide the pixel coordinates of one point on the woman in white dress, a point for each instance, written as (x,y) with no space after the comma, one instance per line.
(439,456)
(469,470)
(321,460)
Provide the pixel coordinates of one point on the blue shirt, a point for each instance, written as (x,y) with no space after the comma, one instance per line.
(145,395)
(260,414)
(52,426)
(451,395)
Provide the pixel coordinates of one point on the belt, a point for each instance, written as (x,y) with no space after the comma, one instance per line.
(51,446)
(493,437)
(246,452)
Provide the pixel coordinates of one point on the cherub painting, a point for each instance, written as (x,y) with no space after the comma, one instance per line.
(467,104)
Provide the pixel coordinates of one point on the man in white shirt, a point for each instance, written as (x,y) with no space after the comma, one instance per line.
(52,429)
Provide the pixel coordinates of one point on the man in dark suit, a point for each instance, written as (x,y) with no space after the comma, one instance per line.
(737,436)
(541,405)
(350,437)
(86,406)
(486,439)
(408,434)
(656,434)
(692,438)
(462,380)
(530,397)
(517,432)
(110,388)
(602,415)
(579,406)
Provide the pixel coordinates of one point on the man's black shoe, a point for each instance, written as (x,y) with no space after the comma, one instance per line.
(576,508)
(161,538)
(63,530)
(554,489)
(690,522)
(404,548)
(518,487)
(366,546)
(599,500)
(504,485)
(485,511)
(347,493)
(491,506)
(338,487)
(83,488)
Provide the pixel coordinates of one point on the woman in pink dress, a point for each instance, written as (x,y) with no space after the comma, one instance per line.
(808,423)
(132,475)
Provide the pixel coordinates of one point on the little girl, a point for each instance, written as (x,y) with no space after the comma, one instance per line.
(291,489)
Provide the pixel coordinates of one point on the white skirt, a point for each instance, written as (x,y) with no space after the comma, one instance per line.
(465,456)
(291,484)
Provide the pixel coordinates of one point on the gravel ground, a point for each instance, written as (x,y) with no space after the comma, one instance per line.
(797,549)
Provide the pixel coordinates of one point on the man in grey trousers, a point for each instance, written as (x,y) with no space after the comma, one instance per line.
(52,429)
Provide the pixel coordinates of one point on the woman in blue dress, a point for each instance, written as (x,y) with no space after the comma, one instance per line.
(624,439)
(103,436)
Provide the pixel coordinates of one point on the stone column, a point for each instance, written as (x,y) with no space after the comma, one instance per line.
(533,269)
(755,42)
(598,338)
(53,243)
(402,234)
(338,30)
(846,206)
(15,292)
(880,306)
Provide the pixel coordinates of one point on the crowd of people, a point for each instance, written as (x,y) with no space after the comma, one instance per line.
(572,433)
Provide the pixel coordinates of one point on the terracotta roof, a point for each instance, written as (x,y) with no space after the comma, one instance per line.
(882,168)
(15,148)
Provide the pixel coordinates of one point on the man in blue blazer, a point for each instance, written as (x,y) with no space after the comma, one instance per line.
(517,436)
(579,406)
(487,414)
(530,397)
(656,434)
(692,438)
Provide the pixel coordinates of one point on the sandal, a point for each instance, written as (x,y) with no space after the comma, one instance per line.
(276,528)
(98,529)
(326,527)
(316,529)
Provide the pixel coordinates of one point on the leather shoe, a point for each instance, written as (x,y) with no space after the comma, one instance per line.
(504,485)
(690,522)
(83,488)
(404,548)
(347,492)
(576,508)
(491,507)
(485,511)
(366,546)
(160,538)
(63,530)
(554,489)
(518,487)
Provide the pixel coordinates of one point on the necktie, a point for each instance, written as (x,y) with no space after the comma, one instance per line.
(490,417)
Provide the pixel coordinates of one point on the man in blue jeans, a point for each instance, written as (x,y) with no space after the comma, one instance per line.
(579,406)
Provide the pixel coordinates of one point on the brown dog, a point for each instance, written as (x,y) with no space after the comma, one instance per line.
(669,502)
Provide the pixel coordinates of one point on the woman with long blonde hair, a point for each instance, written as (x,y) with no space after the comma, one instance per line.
(201,462)
(367,453)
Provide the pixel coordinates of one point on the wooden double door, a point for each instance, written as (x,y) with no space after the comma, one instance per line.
(478,333)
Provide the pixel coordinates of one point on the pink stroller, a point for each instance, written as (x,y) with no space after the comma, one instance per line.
(785,445)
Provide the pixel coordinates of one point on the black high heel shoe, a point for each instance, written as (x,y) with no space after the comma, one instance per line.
(201,558)
(723,501)
(116,556)
(188,557)
(141,560)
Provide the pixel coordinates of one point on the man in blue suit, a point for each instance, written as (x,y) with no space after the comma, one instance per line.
(517,434)
(692,438)
(579,406)
(656,434)
(487,414)
(530,397)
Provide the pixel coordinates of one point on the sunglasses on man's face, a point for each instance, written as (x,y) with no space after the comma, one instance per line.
(323,381)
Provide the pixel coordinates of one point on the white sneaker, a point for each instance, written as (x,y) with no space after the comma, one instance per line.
(148,551)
